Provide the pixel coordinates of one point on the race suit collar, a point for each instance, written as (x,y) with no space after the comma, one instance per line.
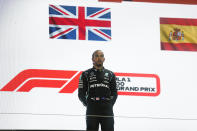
(98,69)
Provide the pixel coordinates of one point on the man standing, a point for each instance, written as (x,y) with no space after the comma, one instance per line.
(97,91)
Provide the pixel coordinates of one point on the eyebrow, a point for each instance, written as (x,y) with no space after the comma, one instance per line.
(96,55)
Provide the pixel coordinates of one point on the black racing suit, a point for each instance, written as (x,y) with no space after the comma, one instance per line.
(97,90)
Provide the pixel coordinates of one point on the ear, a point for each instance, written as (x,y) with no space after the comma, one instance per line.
(93,60)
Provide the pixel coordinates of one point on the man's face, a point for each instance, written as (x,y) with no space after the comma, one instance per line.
(98,59)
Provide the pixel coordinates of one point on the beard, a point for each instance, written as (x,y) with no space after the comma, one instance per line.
(98,64)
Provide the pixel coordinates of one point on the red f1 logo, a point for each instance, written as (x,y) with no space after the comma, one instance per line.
(26,80)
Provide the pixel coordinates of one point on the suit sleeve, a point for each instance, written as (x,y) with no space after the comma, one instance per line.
(113,89)
(82,89)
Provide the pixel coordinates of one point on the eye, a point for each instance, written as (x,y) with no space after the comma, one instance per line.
(96,55)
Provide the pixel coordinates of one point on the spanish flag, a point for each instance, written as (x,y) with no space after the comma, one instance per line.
(178,34)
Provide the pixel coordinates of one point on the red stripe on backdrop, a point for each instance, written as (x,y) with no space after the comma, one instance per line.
(179,46)
(157,1)
(110,0)
(169,1)
(179,21)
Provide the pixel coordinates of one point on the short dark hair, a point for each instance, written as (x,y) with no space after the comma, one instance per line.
(95,53)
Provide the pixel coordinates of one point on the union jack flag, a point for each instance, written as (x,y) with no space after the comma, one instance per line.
(79,23)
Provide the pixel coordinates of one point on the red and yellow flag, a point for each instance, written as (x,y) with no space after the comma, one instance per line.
(178,34)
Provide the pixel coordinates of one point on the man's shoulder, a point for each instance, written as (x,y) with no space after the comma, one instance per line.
(87,71)
(109,71)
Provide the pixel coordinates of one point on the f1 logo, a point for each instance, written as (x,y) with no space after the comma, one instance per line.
(66,81)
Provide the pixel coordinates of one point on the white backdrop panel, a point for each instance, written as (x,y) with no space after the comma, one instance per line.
(134,48)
